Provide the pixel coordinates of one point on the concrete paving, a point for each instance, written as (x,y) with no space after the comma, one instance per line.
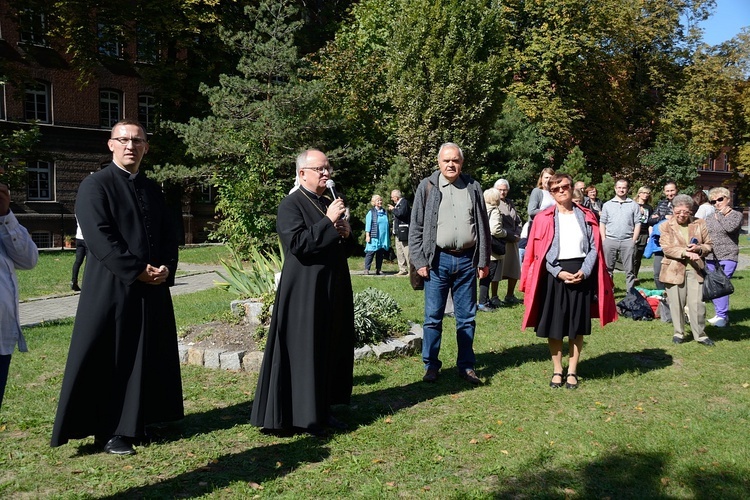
(36,311)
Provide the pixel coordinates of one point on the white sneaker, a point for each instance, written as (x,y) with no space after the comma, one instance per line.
(720,323)
(713,320)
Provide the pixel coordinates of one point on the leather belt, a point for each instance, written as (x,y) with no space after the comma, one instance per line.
(454,251)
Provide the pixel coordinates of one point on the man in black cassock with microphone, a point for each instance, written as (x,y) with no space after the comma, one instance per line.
(309,357)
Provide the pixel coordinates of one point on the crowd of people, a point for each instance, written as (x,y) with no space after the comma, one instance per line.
(123,374)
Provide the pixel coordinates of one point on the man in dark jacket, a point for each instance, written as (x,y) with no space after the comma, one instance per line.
(449,244)
(123,370)
(401,215)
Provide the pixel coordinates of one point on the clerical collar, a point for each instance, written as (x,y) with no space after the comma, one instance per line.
(310,193)
(131,176)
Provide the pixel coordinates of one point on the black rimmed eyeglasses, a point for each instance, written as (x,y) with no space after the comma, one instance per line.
(320,170)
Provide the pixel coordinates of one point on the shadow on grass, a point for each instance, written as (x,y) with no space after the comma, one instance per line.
(621,475)
(255,465)
(734,332)
(618,363)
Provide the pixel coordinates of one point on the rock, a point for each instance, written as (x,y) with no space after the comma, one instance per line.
(363,352)
(211,358)
(182,353)
(251,361)
(231,360)
(389,349)
(195,356)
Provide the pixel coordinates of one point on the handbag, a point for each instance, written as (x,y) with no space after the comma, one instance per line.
(498,246)
(716,283)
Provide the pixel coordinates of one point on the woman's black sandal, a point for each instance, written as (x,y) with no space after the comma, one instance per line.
(555,385)
(571,386)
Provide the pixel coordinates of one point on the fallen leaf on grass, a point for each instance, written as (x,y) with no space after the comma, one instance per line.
(702,450)
(473,441)
(504,452)
(128,467)
(569,491)
(279,464)
(745,385)
(664,481)
(499,422)
(608,419)
(378,461)
(390,484)
(255,485)
(426,488)
(388,420)
(488,436)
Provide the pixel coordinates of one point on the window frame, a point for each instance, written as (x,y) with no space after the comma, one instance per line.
(43,90)
(49,169)
(105,107)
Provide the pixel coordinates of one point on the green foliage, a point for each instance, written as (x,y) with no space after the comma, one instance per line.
(15,148)
(256,278)
(377,317)
(575,166)
(261,117)
(669,160)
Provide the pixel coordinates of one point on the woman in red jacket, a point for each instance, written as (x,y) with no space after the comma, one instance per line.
(562,272)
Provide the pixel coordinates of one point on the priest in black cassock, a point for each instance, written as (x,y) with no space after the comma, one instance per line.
(123,371)
(309,357)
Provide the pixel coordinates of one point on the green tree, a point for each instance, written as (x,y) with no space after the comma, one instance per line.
(15,148)
(668,160)
(260,119)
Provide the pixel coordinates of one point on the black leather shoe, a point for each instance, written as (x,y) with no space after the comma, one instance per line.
(707,342)
(119,445)
(677,340)
(470,376)
(568,385)
(75,287)
(431,375)
(556,385)
(335,423)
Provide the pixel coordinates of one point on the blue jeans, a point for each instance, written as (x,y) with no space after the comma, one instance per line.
(458,274)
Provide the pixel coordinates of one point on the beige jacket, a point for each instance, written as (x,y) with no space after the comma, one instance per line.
(673,245)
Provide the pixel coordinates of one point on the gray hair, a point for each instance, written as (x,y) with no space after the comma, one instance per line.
(302,159)
(501,181)
(396,192)
(451,145)
(683,200)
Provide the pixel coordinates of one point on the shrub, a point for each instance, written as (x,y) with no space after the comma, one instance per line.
(377,316)
(256,278)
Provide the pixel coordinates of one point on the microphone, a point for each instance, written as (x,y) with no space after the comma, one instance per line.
(330,185)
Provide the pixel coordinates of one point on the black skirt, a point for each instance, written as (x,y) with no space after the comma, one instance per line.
(566,309)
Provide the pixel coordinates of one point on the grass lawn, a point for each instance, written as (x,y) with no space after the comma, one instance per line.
(650,420)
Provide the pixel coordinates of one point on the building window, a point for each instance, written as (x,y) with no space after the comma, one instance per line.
(42,239)
(146,111)
(39,181)
(33,26)
(207,194)
(110,104)
(108,44)
(36,103)
(146,46)
(2,103)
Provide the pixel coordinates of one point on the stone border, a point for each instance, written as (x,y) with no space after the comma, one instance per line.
(250,361)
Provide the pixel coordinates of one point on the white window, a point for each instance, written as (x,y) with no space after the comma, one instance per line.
(33,26)
(108,44)
(146,46)
(39,176)
(42,239)
(146,111)
(110,106)
(36,102)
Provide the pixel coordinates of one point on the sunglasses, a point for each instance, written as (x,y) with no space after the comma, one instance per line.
(713,202)
(560,189)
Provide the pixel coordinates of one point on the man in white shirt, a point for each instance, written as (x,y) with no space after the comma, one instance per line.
(619,227)
(17,251)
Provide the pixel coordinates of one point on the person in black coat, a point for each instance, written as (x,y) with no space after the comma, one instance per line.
(123,370)
(401,217)
(309,357)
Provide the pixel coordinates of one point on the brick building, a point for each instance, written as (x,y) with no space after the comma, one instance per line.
(42,87)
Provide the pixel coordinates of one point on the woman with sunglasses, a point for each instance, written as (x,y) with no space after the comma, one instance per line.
(563,273)
(724,228)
